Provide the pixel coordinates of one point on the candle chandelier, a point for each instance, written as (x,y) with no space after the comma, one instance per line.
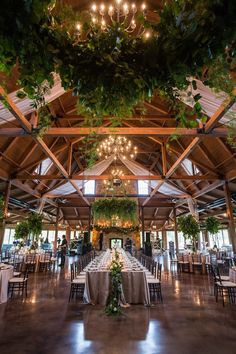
(112,184)
(120,12)
(118,146)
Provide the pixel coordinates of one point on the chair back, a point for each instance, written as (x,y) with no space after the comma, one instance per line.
(159,266)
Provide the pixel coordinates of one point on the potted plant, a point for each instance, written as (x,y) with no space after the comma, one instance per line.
(22,231)
(213,226)
(35,223)
(189,226)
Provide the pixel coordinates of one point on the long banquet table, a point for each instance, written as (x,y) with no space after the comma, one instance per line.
(134,283)
(6,273)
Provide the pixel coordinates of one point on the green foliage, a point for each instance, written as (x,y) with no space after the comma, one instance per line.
(212,225)
(189,227)
(117,229)
(44,121)
(112,72)
(22,230)
(35,224)
(113,306)
(109,208)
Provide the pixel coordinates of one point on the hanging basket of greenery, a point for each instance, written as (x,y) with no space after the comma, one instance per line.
(212,225)
(35,224)
(117,229)
(190,228)
(110,71)
(108,209)
(22,231)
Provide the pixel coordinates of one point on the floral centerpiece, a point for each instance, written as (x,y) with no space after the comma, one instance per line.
(113,306)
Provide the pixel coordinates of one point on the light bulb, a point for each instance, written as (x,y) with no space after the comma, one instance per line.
(110,10)
(94,8)
(78,26)
(143,7)
(147,35)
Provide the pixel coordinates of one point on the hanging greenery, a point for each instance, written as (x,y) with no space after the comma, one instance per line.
(212,225)
(35,225)
(22,231)
(108,209)
(190,228)
(111,72)
(117,229)
(113,306)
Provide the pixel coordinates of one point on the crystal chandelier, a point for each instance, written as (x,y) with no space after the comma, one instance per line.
(118,12)
(117,146)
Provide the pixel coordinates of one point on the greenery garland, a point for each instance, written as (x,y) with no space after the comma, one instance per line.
(109,208)
(113,306)
(117,229)
(112,72)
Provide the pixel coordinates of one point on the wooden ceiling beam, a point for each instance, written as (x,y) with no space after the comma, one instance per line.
(28,129)
(208,189)
(125,177)
(134,131)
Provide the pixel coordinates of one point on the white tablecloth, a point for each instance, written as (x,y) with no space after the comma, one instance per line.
(97,281)
(5,275)
(232,275)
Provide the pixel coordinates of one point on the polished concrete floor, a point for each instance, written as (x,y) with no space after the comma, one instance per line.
(188,322)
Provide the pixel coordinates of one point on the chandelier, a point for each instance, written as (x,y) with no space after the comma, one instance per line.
(115,181)
(117,146)
(118,12)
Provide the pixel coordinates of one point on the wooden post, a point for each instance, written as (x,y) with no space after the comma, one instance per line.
(164,163)
(56,230)
(176,232)
(68,234)
(5,211)
(229,210)
(143,227)
(164,239)
(89,225)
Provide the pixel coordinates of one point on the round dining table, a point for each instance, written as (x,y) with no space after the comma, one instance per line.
(6,273)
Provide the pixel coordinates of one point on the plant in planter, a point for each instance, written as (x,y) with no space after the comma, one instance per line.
(212,225)
(22,231)
(190,228)
(35,225)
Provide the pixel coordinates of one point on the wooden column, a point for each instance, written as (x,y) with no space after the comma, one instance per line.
(176,231)
(229,210)
(68,234)
(164,239)
(56,230)
(164,163)
(143,228)
(89,225)
(5,211)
